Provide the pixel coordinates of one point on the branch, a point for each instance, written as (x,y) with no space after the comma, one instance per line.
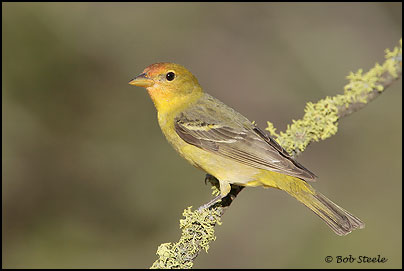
(319,122)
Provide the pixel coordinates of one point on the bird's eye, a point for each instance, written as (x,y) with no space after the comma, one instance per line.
(170,76)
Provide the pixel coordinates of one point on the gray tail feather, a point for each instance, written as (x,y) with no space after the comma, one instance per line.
(339,220)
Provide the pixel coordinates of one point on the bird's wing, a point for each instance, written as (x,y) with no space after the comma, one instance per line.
(214,127)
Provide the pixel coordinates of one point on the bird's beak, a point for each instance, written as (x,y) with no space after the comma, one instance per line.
(142,81)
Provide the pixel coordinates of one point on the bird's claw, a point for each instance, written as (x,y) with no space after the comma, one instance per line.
(210,178)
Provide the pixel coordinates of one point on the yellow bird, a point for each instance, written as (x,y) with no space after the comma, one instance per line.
(226,145)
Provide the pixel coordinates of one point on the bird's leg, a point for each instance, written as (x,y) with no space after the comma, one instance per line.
(224,191)
(227,192)
(224,201)
(210,203)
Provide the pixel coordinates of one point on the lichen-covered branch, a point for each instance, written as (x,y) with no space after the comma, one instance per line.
(197,233)
(319,122)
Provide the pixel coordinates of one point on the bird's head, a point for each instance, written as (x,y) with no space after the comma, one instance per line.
(169,85)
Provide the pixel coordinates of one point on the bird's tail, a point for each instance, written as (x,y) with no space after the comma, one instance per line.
(339,220)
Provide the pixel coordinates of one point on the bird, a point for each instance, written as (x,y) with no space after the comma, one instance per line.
(226,145)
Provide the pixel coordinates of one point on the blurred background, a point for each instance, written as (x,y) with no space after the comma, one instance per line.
(89,180)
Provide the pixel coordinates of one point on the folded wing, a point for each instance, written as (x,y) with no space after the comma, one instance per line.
(214,127)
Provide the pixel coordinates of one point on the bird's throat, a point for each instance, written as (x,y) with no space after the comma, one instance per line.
(167,102)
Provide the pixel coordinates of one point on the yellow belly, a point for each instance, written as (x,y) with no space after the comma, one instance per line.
(222,168)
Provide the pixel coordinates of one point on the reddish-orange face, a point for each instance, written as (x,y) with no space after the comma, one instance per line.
(165,74)
(167,82)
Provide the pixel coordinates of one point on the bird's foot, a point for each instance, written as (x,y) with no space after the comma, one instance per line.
(212,179)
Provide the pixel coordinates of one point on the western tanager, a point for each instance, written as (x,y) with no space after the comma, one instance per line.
(225,144)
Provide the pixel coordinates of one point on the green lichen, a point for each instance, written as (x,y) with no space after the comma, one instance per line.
(320,120)
(318,123)
(271,129)
(197,233)
(215,190)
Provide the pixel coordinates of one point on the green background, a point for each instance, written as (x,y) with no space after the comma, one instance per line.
(89,180)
